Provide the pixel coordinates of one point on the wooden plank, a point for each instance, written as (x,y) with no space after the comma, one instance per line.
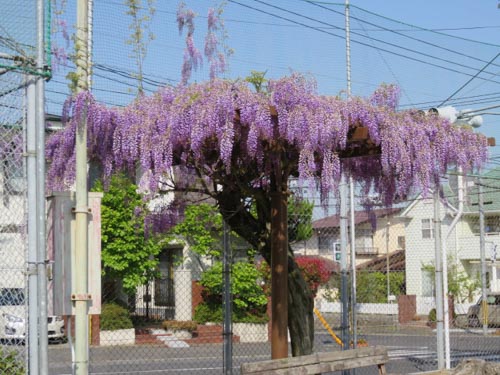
(255,367)
(321,362)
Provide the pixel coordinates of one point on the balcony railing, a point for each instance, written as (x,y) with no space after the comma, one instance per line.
(367,250)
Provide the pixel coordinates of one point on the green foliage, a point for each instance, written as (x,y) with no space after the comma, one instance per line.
(371,287)
(140,34)
(11,363)
(257,79)
(432,316)
(127,254)
(249,300)
(202,229)
(114,317)
(299,219)
(460,285)
(209,312)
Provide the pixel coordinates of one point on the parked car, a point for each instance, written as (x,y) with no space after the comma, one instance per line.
(12,319)
(476,314)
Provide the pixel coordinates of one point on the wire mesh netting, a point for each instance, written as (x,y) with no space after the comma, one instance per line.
(13,297)
(174,323)
(18,43)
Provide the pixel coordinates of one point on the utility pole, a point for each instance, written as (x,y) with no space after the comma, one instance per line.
(80,294)
(482,254)
(228,319)
(438,279)
(43,340)
(351,185)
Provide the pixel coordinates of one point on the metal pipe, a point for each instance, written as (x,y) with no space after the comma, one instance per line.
(80,294)
(353,264)
(438,279)
(351,185)
(444,260)
(31,177)
(343,264)
(482,252)
(40,171)
(228,323)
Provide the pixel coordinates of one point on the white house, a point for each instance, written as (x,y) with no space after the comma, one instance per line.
(461,241)
(378,232)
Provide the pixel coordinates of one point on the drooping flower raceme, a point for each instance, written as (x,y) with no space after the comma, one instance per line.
(223,128)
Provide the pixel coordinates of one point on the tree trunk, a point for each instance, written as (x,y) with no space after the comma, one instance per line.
(300,311)
(256,231)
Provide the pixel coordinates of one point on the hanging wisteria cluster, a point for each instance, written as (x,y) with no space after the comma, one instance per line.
(222,127)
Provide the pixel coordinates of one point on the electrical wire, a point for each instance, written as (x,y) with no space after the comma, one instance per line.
(424,29)
(370,38)
(470,80)
(400,33)
(356,41)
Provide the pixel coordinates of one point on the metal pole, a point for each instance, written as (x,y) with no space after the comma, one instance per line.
(343,265)
(482,252)
(31,177)
(438,279)
(351,185)
(353,266)
(80,294)
(41,240)
(387,260)
(90,43)
(444,259)
(228,324)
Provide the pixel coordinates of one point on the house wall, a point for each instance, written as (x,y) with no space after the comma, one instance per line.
(378,242)
(421,251)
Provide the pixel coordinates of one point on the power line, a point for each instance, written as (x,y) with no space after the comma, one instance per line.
(424,29)
(355,41)
(400,33)
(470,80)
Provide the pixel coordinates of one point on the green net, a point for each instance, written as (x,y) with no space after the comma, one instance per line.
(18,36)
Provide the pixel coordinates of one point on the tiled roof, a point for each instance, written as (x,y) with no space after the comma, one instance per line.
(359,217)
(396,263)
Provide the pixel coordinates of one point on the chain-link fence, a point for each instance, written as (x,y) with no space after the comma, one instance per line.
(15,50)
(19,72)
(175,323)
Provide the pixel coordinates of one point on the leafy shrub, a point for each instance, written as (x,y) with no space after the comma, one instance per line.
(208,312)
(10,363)
(432,316)
(315,270)
(179,325)
(371,286)
(114,317)
(249,300)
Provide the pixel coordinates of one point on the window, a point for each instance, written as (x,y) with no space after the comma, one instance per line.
(427,229)
(364,238)
(401,242)
(325,243)
(491,225)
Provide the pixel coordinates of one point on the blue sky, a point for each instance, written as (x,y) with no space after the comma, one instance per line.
(429,48)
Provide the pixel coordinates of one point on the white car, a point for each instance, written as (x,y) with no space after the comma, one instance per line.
(13,324)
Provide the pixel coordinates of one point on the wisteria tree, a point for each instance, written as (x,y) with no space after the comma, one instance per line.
(241,147)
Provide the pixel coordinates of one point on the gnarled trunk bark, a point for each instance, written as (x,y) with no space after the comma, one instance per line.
(256,231)
(300,311)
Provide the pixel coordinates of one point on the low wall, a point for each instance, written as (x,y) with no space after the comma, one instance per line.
(424,305)
(361,308)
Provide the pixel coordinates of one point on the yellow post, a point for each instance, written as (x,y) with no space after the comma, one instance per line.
(327,326)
